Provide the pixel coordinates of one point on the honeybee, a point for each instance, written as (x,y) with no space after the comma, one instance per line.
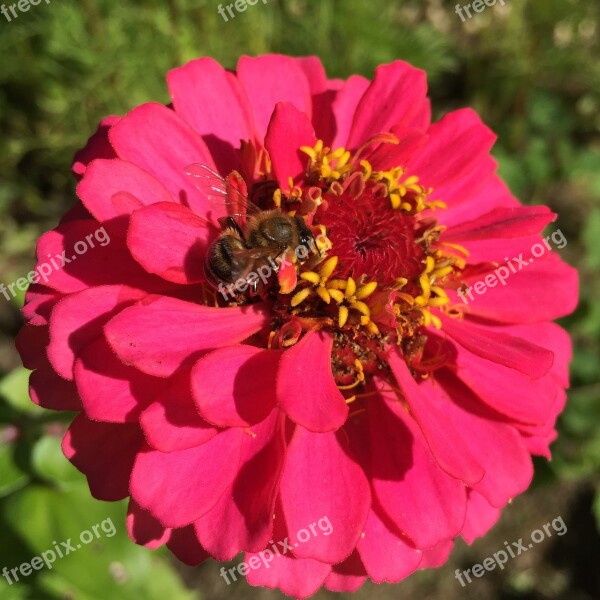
(250,237)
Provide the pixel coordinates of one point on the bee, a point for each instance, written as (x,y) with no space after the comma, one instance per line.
(250,237)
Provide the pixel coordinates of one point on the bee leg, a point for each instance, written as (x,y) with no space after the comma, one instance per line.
(230,223)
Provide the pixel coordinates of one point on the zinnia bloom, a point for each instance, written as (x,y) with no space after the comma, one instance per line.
(357,388)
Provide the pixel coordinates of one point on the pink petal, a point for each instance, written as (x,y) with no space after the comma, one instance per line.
(314,402)
(437,555)
(243,517)
(347,576)
(160,333)
(543,290)
(420,499)
(397,96)
(171,422)
(39,302)
(270,79)
(288,130)
(502,223)
(105,178)
(48,390)
(449,447)
(184,544)
(385,551)
(322,97)
(97,146)
(339,492)
(31,342)
(387,156)
(507,473)
(235,386)
(275,567)
(78,319)
(180,487)
(159,141)
(103,259)
(457,145)
(344,108)
(499,347)
(109,390)
(144,529)
(170,241)
(481,517)
(108,471)
(504,389)
(207,97)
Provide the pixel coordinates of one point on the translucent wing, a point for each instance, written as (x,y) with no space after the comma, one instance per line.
(223,190)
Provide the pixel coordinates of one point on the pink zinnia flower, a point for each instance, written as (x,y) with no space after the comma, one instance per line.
(356,388)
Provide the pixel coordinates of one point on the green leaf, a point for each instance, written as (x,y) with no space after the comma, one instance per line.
(49,462)
(15,389)
(11,477)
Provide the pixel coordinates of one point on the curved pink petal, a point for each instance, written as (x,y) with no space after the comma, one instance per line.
(344,107)
(206,96)
(347,576)
(31,342)
(49,390)
(163,149)
(314,402)
(437,555)
(81,254)
(449,447)
(78,319)
(178,256)
(109,390)
(97,146)
(184,544)
(499,347)
(386,552)
(105,178)
(339,492)
(481,517)
(276,567)
(322,96)
(108,471)
(171,422)
(288,130)
(396,96)
(144,529)
(138,334)
(270,79)
(179,487)
(235,386)
(419,498)
(458,144)
(544,289)
(507,472)
(243,516)
(39,302)
(501,223)
(504,389)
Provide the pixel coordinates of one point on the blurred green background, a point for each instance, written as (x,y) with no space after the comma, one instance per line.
(532,71)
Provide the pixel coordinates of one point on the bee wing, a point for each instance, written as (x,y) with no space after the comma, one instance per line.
(222,190)
(257,253)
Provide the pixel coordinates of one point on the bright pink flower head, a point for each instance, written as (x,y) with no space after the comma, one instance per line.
(374,399)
